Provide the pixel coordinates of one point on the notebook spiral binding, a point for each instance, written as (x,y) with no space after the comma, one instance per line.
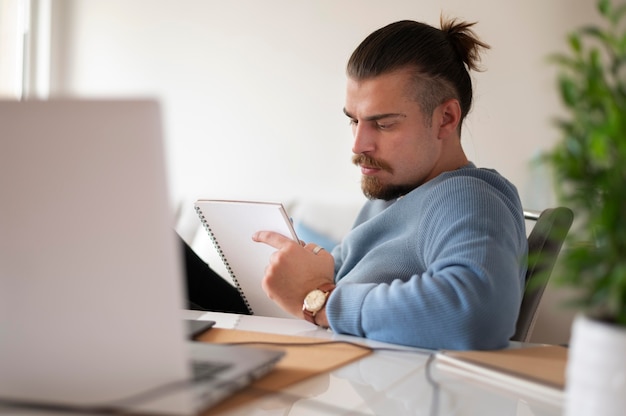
(207,227)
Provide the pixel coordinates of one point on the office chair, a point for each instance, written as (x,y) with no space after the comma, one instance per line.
(544,244)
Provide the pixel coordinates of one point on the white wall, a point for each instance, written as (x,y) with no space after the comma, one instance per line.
(253,89)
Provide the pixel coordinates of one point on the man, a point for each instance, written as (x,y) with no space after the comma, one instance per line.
(436,257)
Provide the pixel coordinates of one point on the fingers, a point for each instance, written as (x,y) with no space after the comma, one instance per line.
(279,241)
(272,238)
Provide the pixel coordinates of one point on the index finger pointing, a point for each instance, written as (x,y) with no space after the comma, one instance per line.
(272,238)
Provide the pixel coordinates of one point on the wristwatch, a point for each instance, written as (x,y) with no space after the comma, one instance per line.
(315,301)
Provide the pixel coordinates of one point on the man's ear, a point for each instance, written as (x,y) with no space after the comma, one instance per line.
(449,118)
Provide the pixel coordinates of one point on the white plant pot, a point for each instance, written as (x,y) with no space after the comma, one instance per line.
(596,369)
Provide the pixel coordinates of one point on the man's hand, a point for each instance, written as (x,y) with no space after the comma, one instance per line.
(293,271)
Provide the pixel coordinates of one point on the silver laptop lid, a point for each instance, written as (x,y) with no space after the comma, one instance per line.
(89,292)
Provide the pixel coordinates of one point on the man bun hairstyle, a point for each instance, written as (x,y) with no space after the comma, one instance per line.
(441,59)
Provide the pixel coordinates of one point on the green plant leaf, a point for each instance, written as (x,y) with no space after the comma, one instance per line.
(589,162)
(604,7)
(574,42)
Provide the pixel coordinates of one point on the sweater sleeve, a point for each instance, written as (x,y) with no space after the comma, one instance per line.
(470,240)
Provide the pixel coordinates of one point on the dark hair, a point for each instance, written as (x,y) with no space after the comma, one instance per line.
(441,59)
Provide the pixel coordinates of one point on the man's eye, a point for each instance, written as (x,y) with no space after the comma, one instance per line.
(381,126)
(353,122)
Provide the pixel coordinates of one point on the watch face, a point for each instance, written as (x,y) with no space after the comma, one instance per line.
(314,300)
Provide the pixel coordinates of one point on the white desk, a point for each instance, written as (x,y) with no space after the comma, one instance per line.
(383,383)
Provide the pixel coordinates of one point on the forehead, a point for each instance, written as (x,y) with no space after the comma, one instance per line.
(388,92)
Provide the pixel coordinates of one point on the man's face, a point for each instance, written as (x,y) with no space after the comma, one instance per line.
(395,145)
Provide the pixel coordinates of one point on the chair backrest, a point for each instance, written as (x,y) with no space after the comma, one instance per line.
(544,245)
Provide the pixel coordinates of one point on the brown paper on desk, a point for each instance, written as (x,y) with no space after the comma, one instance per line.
(539,368)
(299,362)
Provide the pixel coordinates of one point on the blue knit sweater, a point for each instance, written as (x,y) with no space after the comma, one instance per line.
(442,267)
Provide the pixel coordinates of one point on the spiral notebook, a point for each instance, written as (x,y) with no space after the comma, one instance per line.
(230,225)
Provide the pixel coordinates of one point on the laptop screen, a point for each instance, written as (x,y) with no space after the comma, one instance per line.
(90,288)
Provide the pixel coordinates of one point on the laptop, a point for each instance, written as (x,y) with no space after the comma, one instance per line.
(91,290)
(196,328)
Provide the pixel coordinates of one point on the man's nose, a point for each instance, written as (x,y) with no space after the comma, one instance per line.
(364,141)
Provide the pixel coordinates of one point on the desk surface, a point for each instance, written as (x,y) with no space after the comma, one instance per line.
(383,383)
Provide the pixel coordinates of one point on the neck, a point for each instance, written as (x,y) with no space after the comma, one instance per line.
(452,158)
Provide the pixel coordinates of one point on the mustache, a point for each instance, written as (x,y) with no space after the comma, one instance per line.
(368,161)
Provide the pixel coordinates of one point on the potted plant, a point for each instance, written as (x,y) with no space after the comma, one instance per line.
(589,165)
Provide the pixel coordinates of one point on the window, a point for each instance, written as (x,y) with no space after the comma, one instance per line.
(24,48)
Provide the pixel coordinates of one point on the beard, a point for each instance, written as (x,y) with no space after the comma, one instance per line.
(372,187)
